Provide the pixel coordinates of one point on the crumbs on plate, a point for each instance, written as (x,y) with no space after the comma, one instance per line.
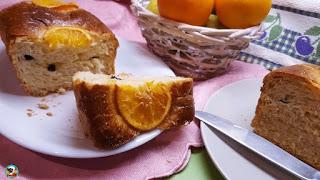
(61,91)
(30,112)
(43,106)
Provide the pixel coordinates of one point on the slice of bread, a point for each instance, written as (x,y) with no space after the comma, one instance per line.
(103,115)
(288,111)
(42,67)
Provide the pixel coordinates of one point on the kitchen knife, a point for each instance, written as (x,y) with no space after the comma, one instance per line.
(260,146)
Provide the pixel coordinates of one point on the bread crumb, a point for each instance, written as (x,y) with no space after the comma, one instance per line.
(29,114)
(43,106)
(49,114)
(61,91)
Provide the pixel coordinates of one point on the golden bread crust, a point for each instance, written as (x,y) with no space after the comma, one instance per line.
(108,129)
(307,72)
(98,109)
(182,109)
(27,19)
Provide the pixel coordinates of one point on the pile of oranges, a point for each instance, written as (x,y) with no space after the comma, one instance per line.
(234,14)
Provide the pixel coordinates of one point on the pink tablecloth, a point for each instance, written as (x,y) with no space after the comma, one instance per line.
(163,156)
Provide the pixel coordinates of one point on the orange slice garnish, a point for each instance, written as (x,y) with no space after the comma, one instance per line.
(57,5)
(48,3)
(144,106)
(67,36)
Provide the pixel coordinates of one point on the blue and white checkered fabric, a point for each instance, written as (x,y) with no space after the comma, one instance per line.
(301,44)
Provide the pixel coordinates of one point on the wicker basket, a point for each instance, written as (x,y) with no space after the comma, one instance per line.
(192,51)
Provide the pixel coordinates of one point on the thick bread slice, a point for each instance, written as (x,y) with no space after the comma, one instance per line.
(43,69)
(99,113)
(288,111)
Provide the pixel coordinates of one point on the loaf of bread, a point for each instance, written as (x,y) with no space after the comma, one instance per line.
(47,45)
(288,111)
(115,109)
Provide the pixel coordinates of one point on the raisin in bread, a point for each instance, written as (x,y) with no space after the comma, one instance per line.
(115,109)
(48,45)
(288,111)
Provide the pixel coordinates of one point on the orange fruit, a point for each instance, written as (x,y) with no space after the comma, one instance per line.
(238,14)
(194,12)
(144,106)
(67,36)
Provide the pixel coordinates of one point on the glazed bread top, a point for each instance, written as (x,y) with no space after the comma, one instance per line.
(307,72)
(27,19)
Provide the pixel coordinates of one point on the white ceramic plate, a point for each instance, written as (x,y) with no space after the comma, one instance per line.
(237,103)
(61,135)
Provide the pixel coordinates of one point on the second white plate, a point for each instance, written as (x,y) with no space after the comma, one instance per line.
(237,103)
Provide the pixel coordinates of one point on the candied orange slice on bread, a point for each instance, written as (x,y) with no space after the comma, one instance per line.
(53,3)
(57,5)
(67,36)
(144,105)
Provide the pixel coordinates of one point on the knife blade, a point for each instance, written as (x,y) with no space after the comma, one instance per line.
(260,146)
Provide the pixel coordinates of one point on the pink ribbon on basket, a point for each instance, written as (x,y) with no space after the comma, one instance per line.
(165,155)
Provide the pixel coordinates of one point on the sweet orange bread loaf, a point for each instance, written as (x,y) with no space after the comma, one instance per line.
(288,111)
(47,45)
(115,109)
